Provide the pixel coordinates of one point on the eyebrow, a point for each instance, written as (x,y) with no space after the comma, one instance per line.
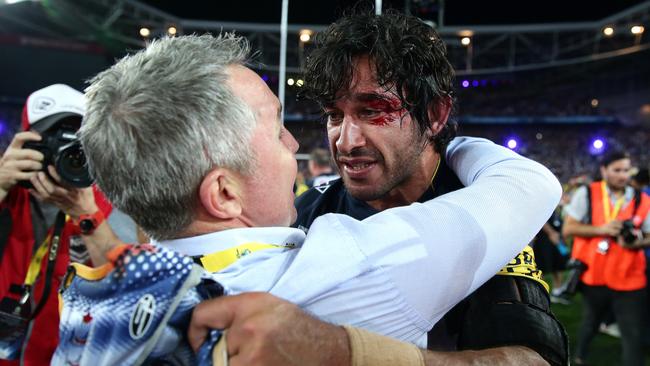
(360,97)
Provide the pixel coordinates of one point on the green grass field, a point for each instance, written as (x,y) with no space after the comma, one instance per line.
(605,350)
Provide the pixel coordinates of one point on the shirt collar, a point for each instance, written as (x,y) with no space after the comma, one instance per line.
(222,240)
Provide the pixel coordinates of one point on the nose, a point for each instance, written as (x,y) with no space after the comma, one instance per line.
(350,137)
(292,144)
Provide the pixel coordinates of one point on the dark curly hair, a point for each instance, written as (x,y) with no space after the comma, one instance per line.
(407,54)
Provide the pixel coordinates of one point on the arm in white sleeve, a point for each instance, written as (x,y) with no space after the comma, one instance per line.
(466,236)
(438,252)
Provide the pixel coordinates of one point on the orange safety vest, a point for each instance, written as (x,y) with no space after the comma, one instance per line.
(619,268)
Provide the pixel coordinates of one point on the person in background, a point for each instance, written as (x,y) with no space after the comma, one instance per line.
(610,224)
(320,168)
(29,216)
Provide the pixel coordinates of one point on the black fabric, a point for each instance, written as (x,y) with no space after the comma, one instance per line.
(548,257)
(5,229)
(510,310)
(629,310)
(451,332)
(589,211)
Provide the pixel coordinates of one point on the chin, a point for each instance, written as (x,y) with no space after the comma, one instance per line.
(364,193)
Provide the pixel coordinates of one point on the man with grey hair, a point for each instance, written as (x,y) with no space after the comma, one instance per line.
(189,142)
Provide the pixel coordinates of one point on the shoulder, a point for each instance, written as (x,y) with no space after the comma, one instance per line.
(318,200)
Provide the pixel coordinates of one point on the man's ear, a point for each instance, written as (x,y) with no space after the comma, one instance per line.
(439,114)
(220,194)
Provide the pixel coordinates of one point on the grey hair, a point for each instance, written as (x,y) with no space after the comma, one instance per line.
(159,120)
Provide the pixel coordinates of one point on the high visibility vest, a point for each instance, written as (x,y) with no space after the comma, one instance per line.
(618,268)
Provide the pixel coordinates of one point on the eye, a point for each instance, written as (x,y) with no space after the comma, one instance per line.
(334,117)
(368,113)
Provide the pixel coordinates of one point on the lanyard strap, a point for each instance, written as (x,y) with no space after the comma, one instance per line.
(609,215)
(51,250)
(215,262)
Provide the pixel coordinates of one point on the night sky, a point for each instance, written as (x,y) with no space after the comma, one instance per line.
(456,12)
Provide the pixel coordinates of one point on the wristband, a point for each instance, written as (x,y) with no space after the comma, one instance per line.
(370,349)
(88,223)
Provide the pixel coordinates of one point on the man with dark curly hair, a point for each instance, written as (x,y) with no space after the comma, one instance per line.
(385,86)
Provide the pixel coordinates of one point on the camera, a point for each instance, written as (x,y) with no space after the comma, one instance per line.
(575,269)
(63,150)
(14,321)
(627,232)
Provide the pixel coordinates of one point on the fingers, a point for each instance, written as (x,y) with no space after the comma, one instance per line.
(54,174)
(217,313)
(24,166)
(24,154)
(22,137)
(48,189)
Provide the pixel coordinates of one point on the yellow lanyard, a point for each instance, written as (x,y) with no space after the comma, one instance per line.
(37,260)
(609,216)
(215,262)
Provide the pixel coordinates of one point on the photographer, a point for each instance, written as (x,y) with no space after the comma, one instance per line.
(32,193)
(609,221)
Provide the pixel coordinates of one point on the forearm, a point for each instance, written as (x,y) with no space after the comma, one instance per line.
(370,349)
(512,355)
(102,240)
(583,230)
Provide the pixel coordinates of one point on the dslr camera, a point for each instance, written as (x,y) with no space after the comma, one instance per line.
(627,232)
(62,149)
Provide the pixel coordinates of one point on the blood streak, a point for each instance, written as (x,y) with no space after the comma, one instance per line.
(391,110)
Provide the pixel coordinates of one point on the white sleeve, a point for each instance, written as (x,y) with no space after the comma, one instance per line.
(577,207)
(438,252)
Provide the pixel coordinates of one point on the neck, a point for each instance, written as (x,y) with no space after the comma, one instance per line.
(616,190)
(411,189)
(205,224)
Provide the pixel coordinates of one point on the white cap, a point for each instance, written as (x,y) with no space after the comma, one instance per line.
(54,99)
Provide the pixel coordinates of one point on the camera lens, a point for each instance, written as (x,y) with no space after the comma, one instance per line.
(71,165)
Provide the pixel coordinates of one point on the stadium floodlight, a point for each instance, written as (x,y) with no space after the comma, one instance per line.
(172,30)
(512,144)
(299,82)
(465,41)
(608,31)
(594,102)
(145,32)
(305,35)
(8,2)
(465,83)
(598,144)
(290,81)
(637,29)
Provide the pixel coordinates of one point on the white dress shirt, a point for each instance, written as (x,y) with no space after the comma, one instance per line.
(398,272)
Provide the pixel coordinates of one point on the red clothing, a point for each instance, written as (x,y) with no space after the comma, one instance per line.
(13,269)
(619,268)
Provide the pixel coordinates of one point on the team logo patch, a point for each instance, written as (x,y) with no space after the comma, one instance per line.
(322,188)
(43,104)
(142,316)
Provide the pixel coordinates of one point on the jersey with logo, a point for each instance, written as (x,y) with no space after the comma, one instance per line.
(133,310)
